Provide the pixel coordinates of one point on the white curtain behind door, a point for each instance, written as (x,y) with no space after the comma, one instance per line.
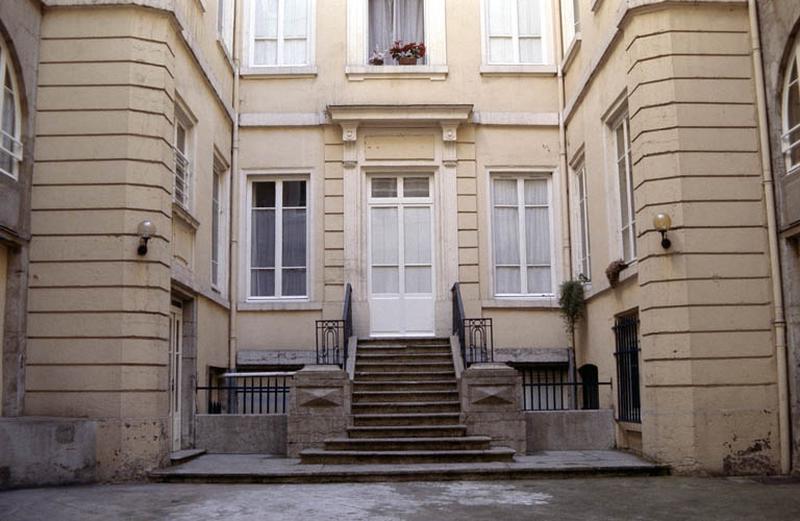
(391,20)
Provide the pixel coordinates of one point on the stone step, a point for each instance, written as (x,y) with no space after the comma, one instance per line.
(411,431)
(412,444)
(407,419)
(402,367)
(406,385)
(403,341)
(410,350)
(371,376)
(406,407)
(325,457)
(404,357)
(404,396)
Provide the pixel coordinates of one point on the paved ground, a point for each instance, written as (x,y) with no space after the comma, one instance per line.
(650,499)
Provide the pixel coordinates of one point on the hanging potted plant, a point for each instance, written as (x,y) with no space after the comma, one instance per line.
(407,53)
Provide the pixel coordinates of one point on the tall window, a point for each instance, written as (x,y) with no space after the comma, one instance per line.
(281,30)
(622,138)
(278,238)
(791,114)
(626,333)
(182,189)
(582,223)
(225,14)
(515,31)
(393,20)
(570,21)
(521,235)
(10,121)
(218,225)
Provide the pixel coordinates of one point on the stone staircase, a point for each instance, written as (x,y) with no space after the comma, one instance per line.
(406,409)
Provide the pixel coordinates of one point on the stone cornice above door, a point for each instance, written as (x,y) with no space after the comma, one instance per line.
(446,116)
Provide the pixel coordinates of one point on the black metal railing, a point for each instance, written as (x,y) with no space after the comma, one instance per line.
(475,335)
(332,335)
(548,388)
(247,393)
(626,332)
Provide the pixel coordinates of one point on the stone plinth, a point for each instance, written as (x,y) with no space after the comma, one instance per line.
(319,407)
(490,401)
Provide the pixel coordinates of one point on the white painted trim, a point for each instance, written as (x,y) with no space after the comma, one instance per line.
(282,119)
(547,35)
(518,70)
(572,52)
(289,72)
(404,72)
(522,119)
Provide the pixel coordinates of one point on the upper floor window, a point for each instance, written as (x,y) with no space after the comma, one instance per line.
(10,120)
(581,219)
(391,21)
(624,169)
(790,142)
(517,32)
(521,235)
(570,21)
(182,187)
(218,224)
(225,14)
(281,32)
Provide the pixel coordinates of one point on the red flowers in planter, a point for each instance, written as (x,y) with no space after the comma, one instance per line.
(401,50)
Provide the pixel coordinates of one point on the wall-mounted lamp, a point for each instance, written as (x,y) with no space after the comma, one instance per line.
(145,230)
(662,223)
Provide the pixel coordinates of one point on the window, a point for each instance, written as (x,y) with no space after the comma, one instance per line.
(10,121)
(281,32)
(393,20)
(581,207)
(790,142)
(515,31)
(570,21)
(626,333)
(182,189)
(218,225)
(624,169)
(521,236)
(278,238)
(225,14)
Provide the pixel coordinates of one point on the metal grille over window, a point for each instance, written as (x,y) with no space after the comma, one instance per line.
(183,172)
(626,332)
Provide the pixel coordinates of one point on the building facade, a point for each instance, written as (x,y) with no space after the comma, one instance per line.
(210,175)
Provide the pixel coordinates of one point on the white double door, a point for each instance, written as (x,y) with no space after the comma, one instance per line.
(401,261)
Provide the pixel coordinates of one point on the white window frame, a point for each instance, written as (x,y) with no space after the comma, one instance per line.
(184,121)
(546,36)
(225,15)
(7,66)
(570,21)
(581,230)
(250,12)
(626,231)
(220,178)
(278,179)
(520,177)
(786,130)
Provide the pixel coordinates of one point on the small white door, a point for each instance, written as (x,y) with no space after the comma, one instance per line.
(401,278)
(175,362)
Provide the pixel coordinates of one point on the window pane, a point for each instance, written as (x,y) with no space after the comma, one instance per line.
(417,235)
(385,280)
(266,18)
(500,17)
(385,238)
(505,191)
(263,239)
(265,52)
(409,20)
(381,26)
(539,280)
(530,50)
(293,282)
(295,18)
(792,119)
(416,187)
(620,138)
(627,248)
(294,193)
(501,50)
(294,52)
(507,280)
(537,235)
(506,236)
(536,191)
(180,138)
(623,191)
(215,229)
(384,187)
(264,195)
(262,283)
(418,280)
(294,238)
(530,23)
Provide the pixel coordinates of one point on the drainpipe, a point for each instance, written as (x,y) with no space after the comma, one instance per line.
(779,322)
(233,269)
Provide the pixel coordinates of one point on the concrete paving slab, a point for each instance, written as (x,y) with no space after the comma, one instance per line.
(596,499)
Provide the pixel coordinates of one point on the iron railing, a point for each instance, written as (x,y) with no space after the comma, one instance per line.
(475,335)
(247,393)
(183,179)
(332,336)
(626,331)
(548,388)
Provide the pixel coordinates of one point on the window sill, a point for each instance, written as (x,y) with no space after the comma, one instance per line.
(518,70)
(280,72)
(520,303)
(396,72)
(183,214)
(572,52)
(630,426)
(223,47)
(279,305)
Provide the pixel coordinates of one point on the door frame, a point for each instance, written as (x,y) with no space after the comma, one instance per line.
(176,333)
